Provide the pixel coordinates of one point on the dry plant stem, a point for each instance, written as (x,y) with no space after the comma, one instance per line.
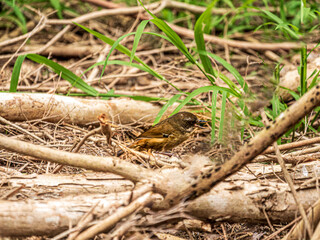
(293,190)
(102,13)
(302,152)
(316,234)
(41,22)
(101,57)
(268,219)
(102,3)
(224,231)
(209,178)
(93,132)
(290,158)
(51,42)
(313,216)
(179,5)
(275,234)
(288,146)
(5,121)
(41,25)
(289,181)
(12,192)
(199,9)
(232,43)
(78,146)
(80,19)
(180,30)
(84,221)
(116,217)
(239,44)
(103,164)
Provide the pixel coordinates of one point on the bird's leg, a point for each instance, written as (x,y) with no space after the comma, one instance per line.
(152,160)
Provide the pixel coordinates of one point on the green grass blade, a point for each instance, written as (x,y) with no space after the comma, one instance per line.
(127,52)
(57,6)
(295,95)
(232,70)
(303,71)
(315,79)
(223,110)
(111,94)
(172,35)
(137,37)
(280,23)
(19,15)
(199,91)
(213,115)
(15,20)
(198,36)
(111,91)
(16,73)
(65,74)
(123,63)
(166,106)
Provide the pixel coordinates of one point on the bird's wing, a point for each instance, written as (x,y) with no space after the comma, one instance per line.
(161,130)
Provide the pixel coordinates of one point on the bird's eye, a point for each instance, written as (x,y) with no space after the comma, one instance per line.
(165,135)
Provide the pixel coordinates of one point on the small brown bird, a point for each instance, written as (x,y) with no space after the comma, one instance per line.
(167,134)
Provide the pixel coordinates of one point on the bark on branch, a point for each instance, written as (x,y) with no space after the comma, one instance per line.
(236,200)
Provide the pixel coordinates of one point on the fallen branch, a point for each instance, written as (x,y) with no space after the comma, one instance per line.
(103,164)
(209,178)
(54,108)
(232,200)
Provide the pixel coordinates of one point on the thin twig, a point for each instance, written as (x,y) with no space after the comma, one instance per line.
(292,145)
(313,216)
(117,216)
(38,28)
(93,132)
(5,121)
(289,181)
(128,170)
(273,235)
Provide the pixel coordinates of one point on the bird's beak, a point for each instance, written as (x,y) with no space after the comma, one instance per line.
(200,122)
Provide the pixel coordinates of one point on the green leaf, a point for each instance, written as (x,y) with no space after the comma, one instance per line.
(222,114)
(172,35)
(57,6)
(281,23)
(137,37)
(213,114)
(19,14)
(303,71)
(110,92)
(166,106)
(233,71)
(199,91)
(314,81)
(65,74)
(123,63)
(295,95)
(126,51)
(16,73)
(198,36)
